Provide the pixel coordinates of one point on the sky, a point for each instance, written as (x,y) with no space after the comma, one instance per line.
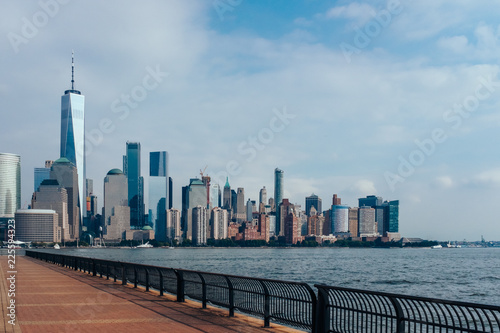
(398,99)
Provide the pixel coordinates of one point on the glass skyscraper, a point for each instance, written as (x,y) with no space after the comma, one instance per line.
(73,136)
(10,184)
(278,195)
(132,169)
(158,192)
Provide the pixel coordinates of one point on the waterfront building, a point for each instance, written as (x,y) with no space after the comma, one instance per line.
(193,195)
(313,201)
(285,208)
(278,197)
(37,225)
(240,205)
(52,196)
(366,222)
(173,227)
(234,202)
(215,195)
(40,174)
(339,217)
(263,226)
(391,217)
(10,185)
(315,223)
(200,223)
(219,223)
(272,225)
(353,221)
(170,193)
(376,203)
(158,193)
(116,212)
(73,139)
(249,209)
(132,170)
(291,228)
(65,173)
(226,204)
(263,196)
(327,225)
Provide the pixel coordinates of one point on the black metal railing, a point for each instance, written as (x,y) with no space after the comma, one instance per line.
(283,302)
(352,310)
(334,309)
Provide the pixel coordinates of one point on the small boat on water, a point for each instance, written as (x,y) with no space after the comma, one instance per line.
(57,247)
(437,246)
(143,246)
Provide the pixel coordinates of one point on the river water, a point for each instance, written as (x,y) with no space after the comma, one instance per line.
(461,274)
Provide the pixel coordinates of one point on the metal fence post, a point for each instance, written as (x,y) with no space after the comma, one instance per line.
(203,291)
(267,304)
(124,274)
(135,276)
(180,286)
(94,272)
(160,274)
(400,328)
(231,297)
(322,311)
(147,279)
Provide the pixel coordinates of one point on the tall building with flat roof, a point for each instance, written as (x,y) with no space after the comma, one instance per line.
(73,136)
(116,212)
(340,219)
(263,196)
(37,225)
(353,221)
(391,216)
(219,223)
(40,174)
(278,197)
(10,184)
(174,230)
(132,169)
(51,195)
(158,193)
(65,172)
(193,195)
(240,205)
(366,222)
(200,224)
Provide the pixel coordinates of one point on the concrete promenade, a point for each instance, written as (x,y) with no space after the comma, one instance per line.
(51,299)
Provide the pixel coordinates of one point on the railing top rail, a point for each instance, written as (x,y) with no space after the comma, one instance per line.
(184,270)
(415,298)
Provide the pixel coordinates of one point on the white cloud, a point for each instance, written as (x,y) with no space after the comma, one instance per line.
(444,182)
(456,44)
(360,13)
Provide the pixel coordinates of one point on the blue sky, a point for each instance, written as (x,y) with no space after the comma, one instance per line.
(398,99)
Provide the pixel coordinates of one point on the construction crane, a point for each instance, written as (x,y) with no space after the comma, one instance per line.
(202,172)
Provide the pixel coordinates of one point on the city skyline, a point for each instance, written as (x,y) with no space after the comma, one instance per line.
(404,112)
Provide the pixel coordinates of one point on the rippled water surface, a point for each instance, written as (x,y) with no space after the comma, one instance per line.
(466,274)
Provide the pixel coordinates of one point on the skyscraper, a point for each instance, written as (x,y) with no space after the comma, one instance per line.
(263,196)
(116,213)
(278,197)
(200,224)
(391,216)
(226,202)
(193,195)
(132,169)
(73,135)
(158,192)
(313,201)
(10,185)
(65,172)
(366,222)
(40,174)
(240,205)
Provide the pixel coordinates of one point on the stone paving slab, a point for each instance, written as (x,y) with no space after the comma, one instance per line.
(51,299)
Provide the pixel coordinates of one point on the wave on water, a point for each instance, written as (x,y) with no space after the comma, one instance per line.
(489,278)
(394,282)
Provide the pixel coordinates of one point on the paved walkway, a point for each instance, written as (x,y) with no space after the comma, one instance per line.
(50,298)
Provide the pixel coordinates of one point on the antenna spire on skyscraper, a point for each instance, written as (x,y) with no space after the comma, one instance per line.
(72,70)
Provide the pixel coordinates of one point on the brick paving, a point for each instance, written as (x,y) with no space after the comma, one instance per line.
(51,299)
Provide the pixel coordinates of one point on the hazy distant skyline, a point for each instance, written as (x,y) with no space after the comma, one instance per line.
(398,99)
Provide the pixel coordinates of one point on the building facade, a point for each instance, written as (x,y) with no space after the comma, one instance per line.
(37,225)
(116,212)
(73,137)
(132,169)
(10,185)
(158,193)
(313,201)
(200,223)
(278,196)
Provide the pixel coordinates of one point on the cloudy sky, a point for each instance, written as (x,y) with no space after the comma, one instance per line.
(400,99)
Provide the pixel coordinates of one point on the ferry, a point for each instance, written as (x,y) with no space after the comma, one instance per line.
(146,245)
(437,246)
